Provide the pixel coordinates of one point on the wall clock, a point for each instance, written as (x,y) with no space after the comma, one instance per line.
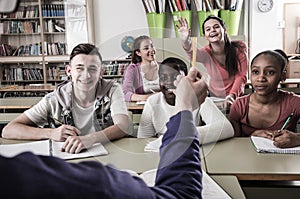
(265,5)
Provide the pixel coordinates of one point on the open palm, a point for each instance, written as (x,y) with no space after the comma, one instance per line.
(183,30)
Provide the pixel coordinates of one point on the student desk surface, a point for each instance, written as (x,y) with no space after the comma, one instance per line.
(238,157)
(128,153)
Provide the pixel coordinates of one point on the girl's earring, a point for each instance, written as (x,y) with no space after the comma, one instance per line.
(69,77)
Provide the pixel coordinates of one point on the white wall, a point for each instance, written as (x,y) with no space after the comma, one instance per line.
(115,19)
(266,29)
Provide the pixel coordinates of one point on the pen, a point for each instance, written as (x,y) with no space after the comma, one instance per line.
(59,122)
(152,90)
(287,121)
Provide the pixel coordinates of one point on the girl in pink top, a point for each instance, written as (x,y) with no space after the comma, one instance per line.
(265,112)
(226,61)
(141,76)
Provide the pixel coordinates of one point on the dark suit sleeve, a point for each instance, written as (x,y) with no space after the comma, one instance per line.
(179,173)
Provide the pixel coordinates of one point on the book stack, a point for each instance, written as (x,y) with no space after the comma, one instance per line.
(53,10)
(26,72)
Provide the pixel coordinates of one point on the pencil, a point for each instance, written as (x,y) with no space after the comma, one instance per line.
(152,90)
(288,119)
(194,51)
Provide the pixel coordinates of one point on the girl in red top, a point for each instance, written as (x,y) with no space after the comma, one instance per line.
(265,112)
(226,61)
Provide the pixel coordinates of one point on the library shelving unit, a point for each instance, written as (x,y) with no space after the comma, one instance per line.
(35,41)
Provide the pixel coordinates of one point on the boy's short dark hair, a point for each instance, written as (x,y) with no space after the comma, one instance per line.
(85,48)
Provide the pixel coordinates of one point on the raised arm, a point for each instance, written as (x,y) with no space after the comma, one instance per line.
(184,34)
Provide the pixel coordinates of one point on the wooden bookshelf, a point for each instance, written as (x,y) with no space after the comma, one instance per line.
(35,37)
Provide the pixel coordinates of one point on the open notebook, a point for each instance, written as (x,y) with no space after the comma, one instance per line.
(49,148)
(210,188)
(264,145)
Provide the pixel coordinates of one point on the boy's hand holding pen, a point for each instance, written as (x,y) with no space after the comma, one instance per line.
(65,130)
(56,120)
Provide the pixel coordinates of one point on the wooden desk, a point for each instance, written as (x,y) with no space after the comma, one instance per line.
(18,102)
(291,83)
(13,91)
(7,117)
(238,157)
(134,106)
(135,113)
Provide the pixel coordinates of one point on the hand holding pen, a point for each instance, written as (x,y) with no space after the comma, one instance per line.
(62,132)
(279,132)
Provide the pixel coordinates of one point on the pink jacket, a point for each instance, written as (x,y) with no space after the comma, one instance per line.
(133,82)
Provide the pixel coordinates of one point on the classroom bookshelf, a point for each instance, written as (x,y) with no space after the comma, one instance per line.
(35,40)
(115,69)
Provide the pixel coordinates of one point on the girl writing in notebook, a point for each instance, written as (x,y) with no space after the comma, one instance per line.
(268,112)
(226,61)
(141,76)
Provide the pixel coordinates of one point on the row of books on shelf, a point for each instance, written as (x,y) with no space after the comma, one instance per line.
(27,11)
(114,69)
(29,73)
(53,10)
(28,27)
(56,48)
(17,73)
(17,27)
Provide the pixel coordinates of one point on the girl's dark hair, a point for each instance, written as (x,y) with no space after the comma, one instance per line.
(87,49)
(177,62)
(278,55)
(285,57)
(231,62)
(136,47)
